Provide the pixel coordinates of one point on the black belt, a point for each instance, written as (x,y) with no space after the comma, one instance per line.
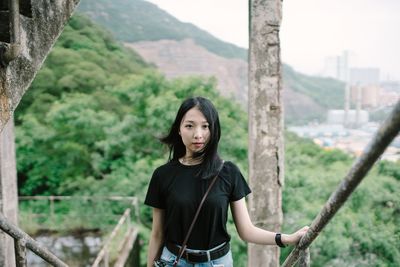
(199,257)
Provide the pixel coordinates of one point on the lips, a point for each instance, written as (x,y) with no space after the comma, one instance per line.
(198,145)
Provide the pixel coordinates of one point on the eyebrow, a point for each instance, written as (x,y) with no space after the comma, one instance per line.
(186,121)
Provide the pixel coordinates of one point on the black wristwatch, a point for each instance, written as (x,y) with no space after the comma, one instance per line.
(278,240)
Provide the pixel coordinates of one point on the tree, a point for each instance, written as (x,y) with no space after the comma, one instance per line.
(265,125)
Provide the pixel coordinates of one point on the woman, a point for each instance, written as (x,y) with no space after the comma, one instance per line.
(176,189)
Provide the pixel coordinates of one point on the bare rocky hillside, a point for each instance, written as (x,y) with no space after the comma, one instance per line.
(186,58)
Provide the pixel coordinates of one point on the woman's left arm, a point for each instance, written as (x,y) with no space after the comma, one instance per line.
(250,233)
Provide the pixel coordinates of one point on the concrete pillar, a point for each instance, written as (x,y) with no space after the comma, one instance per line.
(40,24)
(38,33)
(8,191)
(266,153)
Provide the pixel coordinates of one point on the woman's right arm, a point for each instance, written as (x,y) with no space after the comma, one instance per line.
(156,237)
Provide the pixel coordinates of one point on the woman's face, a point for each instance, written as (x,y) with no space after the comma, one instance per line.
(194,130)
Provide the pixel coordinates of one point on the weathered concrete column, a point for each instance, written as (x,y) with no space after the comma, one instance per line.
(40,24)
(8,191)
(37,36)
(265,126)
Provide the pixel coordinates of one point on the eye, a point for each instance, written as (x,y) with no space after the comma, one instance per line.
(205,126)
(188,126)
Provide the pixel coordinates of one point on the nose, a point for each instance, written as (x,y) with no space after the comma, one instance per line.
(197,133)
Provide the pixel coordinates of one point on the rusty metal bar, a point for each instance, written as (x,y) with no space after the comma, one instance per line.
(14,21)
(383,137)
(31,244)
(20,253)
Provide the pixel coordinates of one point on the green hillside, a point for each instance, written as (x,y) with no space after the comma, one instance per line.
(327,92)
(365,230)
(89,126)
(321,95)
(86,58)
(138,20)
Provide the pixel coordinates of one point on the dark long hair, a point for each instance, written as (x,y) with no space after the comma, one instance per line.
(211,161)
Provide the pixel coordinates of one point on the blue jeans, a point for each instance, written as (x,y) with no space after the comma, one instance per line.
(224,261)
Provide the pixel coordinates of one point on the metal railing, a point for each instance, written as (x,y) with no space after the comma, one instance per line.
(384,136)
(52,199)
(103,255)
(23,241)
(129,236)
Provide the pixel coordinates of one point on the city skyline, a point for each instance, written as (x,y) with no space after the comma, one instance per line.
(311,30)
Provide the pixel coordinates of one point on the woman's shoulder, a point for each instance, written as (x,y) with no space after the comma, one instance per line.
(230,168)
(229,165)
(167,167)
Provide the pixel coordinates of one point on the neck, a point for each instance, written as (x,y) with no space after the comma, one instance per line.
(189,160)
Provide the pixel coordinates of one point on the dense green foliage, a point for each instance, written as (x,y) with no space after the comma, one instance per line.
(365,231)
(138,20)
(89,126)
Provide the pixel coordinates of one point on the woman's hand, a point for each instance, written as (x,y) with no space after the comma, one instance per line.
(294,238)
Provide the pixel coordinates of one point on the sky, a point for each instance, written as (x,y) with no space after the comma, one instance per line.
(311,30)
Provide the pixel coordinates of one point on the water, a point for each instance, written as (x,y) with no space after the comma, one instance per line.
(78,250)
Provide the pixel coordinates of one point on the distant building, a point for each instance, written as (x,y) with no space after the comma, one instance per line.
(343,66)
(337,116)
(369,95)
(372,96)
(338,66)
(364,76)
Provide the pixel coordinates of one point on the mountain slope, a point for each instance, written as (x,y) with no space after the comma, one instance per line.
(183,58)
(186,58)
(138,20)
(90,129)
(146,28)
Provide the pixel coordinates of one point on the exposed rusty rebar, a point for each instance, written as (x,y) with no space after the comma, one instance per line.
(12,50)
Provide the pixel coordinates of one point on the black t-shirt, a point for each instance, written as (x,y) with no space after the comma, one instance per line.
(175,188)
